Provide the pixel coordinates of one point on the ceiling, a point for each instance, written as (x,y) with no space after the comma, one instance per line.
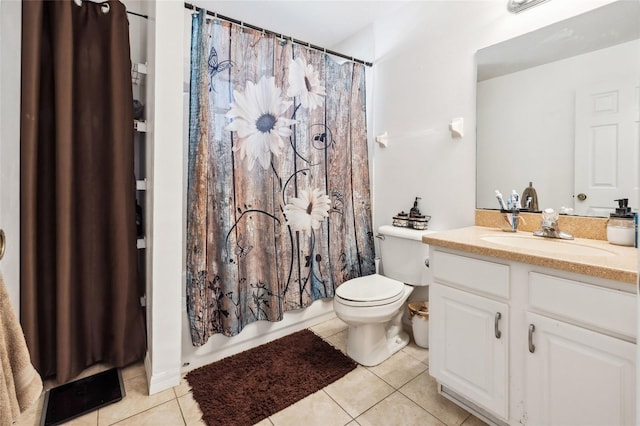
(328,23)
(323,23)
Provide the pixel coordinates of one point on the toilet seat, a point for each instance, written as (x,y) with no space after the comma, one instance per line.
(371,290)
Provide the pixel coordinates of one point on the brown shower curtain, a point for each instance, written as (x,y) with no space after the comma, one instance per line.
(79,293)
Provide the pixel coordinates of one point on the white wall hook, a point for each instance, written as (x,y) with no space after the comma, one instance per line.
(383,139)
(457,127)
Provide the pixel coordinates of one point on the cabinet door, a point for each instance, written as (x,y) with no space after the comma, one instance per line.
(469,346)
(578,377)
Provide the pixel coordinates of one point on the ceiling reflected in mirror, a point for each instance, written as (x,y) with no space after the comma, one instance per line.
(607,26)
(517,6)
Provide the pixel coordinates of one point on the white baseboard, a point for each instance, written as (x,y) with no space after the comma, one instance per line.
(160,381)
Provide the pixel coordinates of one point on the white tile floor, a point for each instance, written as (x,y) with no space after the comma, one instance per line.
(399,391)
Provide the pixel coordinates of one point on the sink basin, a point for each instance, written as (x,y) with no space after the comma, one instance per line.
(547,245)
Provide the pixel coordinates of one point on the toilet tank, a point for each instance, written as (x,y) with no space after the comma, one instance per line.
(403,254)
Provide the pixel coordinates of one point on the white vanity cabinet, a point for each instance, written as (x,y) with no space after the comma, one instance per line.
(577,372)
(471,325)
(473,355)
(526,345)
(578,377)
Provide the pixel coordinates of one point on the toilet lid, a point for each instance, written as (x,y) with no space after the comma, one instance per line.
(371,290)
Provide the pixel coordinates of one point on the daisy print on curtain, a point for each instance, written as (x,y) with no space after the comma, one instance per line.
(278,203)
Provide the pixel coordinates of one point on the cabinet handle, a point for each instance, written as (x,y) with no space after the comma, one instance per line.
(496,323)
(532,347)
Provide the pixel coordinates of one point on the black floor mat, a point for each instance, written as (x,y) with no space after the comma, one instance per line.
(82,396)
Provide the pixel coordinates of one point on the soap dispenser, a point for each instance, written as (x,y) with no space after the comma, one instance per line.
(417,220)
(621,226)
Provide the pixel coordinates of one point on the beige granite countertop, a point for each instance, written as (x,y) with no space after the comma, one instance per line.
(616,262)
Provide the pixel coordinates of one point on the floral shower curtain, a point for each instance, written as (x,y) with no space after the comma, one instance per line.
(279,210)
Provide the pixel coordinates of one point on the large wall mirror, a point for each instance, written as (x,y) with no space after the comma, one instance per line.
(559,107)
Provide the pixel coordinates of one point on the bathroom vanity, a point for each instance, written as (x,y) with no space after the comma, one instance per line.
(528,330)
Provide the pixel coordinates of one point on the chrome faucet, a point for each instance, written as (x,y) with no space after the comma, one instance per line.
(549,226)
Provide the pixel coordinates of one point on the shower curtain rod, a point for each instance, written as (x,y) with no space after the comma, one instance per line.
(138,14)
(278,35)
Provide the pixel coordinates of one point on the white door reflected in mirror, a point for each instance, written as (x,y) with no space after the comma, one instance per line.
(606,159)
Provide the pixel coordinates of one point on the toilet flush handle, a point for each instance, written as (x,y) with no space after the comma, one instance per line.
(380,236)
(426,262)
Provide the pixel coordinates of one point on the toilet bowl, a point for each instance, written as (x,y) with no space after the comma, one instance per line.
(372,306)
(374,318)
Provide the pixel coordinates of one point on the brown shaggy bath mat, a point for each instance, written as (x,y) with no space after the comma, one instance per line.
(245,388)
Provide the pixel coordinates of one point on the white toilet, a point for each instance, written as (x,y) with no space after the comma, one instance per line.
(372,306)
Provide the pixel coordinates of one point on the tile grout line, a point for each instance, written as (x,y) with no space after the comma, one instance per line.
(392,385)
(140,412)
(467,418)
(418,404)
(396,389)
(184,419)
(149,409)
(337,403)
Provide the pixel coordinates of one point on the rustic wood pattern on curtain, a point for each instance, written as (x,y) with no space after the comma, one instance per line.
(279,209)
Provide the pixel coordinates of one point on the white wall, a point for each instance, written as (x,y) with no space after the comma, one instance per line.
(424,76)
(164,225)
